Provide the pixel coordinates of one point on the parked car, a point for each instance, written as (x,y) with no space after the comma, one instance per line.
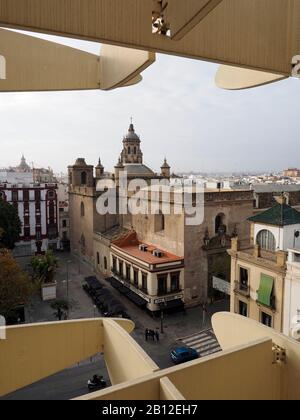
(183,355)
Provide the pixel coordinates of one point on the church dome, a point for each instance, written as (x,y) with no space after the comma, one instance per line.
(131,135)
(165,165)
(23,167)
(80,162)
(138,170)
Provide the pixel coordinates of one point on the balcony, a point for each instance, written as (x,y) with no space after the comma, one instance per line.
(271,306)
(242,289)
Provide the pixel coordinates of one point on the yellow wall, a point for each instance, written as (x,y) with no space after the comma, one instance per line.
(233,330)
(256,269)
(125,359)
(34,352)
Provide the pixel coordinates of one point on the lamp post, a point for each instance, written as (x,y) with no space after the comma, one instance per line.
(77,255)
(68,262)
(162,317)
(162,321)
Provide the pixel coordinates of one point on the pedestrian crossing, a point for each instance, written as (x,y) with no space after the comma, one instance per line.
(205,342)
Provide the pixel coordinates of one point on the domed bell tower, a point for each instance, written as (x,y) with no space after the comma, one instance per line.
(165,169)
(131,153)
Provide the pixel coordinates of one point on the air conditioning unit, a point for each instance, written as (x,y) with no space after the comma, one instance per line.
(143,248)
(295,332)
(157,253)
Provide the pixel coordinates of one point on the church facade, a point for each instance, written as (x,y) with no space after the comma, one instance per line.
(158,257)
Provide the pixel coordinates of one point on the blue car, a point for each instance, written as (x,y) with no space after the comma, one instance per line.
(183,355)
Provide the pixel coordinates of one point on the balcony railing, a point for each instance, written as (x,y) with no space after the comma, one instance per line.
(242,289)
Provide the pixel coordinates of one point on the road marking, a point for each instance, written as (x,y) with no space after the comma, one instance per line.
(205,343)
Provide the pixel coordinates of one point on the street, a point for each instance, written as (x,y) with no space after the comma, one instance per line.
(179,328)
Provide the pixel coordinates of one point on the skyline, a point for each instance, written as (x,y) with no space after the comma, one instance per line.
(197,126)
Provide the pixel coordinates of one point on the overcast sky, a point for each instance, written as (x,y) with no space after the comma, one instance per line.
(178,112)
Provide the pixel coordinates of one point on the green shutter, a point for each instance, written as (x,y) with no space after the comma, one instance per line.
(265,290)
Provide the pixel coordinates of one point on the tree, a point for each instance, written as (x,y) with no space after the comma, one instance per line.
(16,287)
(62,307)
(44,267)
(10,225)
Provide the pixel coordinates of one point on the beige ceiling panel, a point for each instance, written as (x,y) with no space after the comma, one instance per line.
(183,16)
(236,78)
(258,34)
(134,81)
(119,66)
(32,64)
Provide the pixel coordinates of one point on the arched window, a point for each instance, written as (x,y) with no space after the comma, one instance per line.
(105,263)
(129,150)
(134,151)
(98,258)
(220,226)
(82,210)
(160,222)
(82,243)
(83,178)
(266,240)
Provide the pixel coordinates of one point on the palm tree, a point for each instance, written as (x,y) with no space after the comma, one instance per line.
(44,267)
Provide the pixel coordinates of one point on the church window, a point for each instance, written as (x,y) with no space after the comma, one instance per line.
(83,178)
(266,240)
(220,223)
(82,210)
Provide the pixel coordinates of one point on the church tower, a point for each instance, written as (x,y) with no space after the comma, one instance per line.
(99,170)
(165,169)
(131,153)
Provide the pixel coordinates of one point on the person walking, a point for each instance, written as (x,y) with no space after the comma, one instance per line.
(146,334)
(157,336)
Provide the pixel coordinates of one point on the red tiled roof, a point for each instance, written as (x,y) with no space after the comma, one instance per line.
(130,245)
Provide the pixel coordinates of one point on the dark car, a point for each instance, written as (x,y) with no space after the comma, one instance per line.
(183,354)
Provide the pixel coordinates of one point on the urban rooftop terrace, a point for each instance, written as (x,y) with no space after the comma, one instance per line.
(256,363)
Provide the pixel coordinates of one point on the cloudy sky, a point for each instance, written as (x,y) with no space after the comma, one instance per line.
(178,112)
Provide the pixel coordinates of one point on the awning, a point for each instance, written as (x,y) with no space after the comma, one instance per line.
(176,304)
(115,283)
(136,299)
(265,290)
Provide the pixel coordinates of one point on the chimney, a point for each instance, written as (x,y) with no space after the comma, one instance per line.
(281,258)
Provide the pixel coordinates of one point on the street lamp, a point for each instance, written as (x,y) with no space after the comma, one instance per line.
(162,317)
(77,254)
(68,262)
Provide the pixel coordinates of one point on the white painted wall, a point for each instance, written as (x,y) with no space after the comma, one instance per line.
(292,293)
(285,237)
